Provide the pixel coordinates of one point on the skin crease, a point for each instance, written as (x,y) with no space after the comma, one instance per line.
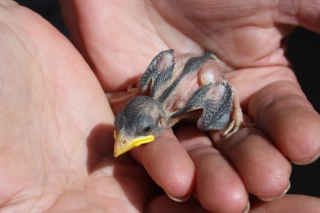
(58,157)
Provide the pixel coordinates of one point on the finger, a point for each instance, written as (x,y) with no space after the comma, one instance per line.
(263,169)
(301,13)
(119,56)
(168,164)
(218,186)
(288,203)
(282,111)
(164,204)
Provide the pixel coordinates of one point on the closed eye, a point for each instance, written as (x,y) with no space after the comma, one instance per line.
(146,130)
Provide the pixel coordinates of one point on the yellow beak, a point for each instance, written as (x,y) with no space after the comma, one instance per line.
(122,145)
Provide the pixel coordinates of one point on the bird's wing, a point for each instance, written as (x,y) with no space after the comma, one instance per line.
(163,62)
(215,99)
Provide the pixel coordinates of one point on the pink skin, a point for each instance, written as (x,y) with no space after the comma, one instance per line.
(211,72)
(56,145)
(239,38)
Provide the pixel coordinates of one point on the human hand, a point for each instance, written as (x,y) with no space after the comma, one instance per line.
(122,38)
(59,153)
(119,38)
(56,144)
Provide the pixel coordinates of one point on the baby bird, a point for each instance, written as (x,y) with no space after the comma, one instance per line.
(177,87)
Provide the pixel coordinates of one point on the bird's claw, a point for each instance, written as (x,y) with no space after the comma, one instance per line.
(237,118)
(132,92)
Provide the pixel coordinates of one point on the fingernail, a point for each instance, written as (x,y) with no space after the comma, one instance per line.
(178,199)
(277,197)
(247,209)
(307,162)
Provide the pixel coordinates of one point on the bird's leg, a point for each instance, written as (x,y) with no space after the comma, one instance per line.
(133,91)
(237,116)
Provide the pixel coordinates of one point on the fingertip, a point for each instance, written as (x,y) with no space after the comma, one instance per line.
(296,133)
(220,194)
(263,169)
(179,199)
(218,186)
(282,111)
(301,163)
(269,199)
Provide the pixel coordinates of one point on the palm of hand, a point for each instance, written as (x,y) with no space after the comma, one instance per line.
(62,121)
(56,143)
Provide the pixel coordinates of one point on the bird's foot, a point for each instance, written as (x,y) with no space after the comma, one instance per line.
(237,117)
(234,126)
(132,92)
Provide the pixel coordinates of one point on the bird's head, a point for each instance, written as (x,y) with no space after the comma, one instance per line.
(141,120)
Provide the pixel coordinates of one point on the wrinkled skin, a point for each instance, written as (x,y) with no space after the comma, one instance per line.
(56,125)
